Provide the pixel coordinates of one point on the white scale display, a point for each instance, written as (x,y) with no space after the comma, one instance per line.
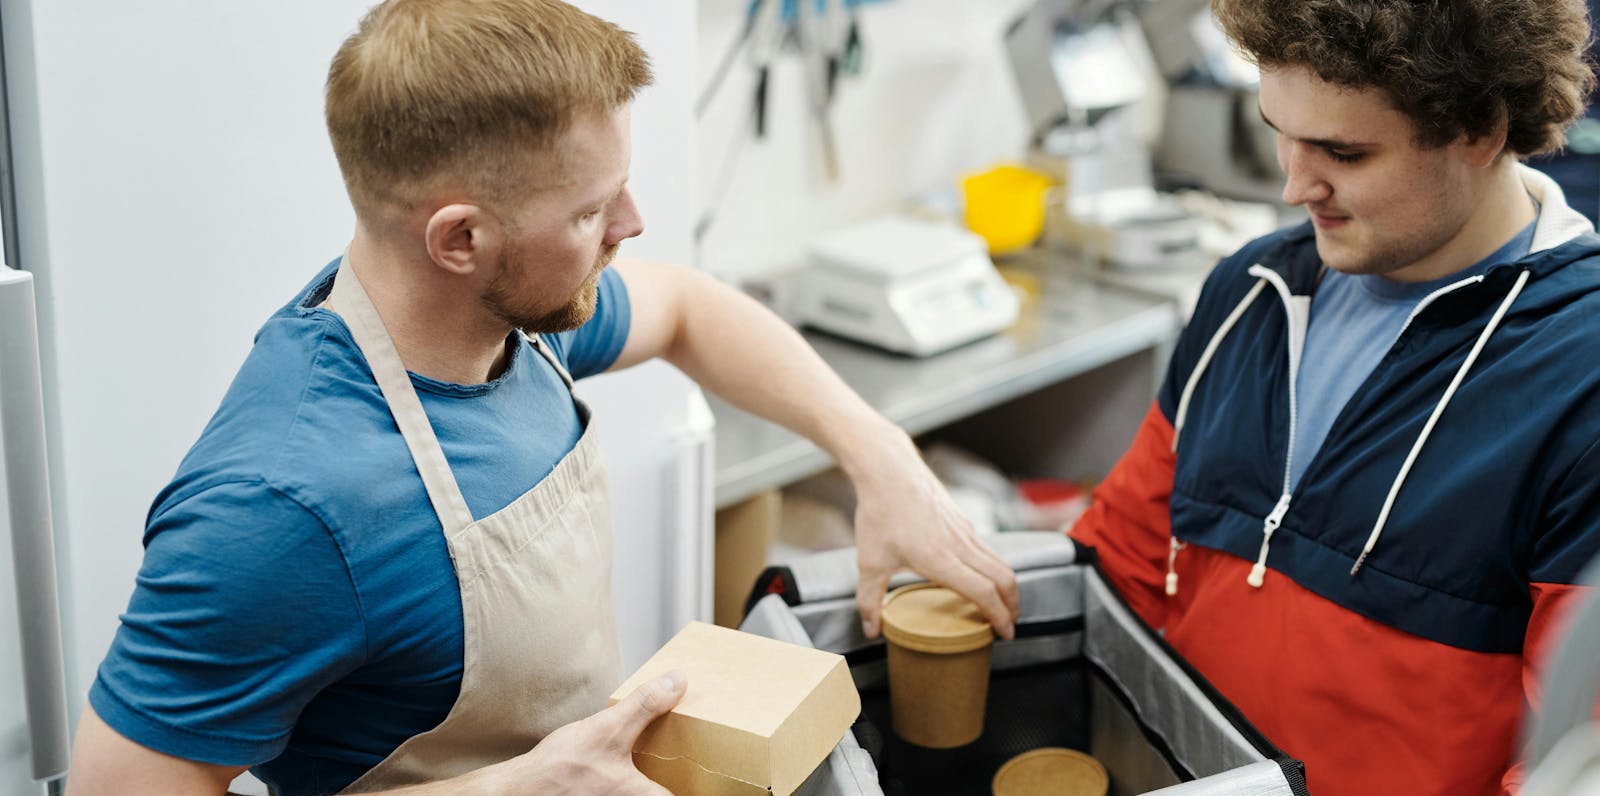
(909,286)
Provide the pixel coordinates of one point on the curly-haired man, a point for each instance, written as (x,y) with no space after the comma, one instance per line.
(1373,471)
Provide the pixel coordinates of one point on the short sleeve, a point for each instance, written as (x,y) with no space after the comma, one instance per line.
(242,611)
(591,348)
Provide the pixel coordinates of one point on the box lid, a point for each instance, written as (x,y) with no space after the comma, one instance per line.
(1051,771)
(762,712)
(929,618)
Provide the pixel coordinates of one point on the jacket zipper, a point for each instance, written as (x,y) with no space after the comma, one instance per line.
(1297,340)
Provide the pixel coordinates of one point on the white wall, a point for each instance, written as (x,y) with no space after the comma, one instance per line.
(936,100)
(176,186)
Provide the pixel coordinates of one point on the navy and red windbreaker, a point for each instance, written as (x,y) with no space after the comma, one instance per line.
(1407,673)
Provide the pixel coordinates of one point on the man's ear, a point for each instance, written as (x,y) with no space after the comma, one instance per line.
(460,237)
(1482,151)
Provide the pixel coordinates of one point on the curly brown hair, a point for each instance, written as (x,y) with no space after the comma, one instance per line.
(1451,66)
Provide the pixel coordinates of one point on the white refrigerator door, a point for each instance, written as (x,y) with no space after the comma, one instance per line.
(14,758)
(15,776)
(31,662)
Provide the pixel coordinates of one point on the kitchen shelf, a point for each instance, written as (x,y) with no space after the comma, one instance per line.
(1074,326)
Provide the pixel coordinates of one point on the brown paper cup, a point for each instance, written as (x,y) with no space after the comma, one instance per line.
(939,650)
(1051,771)
(937,700)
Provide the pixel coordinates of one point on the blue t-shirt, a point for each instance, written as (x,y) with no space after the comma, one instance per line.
(297,609)
(1355,320)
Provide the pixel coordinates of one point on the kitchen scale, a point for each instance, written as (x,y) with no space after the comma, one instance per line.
(906,285)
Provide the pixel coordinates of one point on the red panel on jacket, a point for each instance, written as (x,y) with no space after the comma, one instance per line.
(1370,709)
(1129,522)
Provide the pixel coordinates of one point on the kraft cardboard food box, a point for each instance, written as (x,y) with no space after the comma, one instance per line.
(758,715)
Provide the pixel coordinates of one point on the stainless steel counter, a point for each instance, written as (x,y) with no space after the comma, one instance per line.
(1076,326)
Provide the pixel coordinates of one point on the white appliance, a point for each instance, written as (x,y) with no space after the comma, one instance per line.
(907,285)
(1130,228)
(175,186)
(27,563)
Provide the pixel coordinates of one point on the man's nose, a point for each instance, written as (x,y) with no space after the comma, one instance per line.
(1303,182)
(626,221)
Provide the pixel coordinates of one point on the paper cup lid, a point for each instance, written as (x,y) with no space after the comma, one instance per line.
(929,618)
(1051,772)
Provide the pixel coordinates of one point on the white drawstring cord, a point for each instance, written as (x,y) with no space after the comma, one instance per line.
(1172,566)
(1461,374)
(1205,359)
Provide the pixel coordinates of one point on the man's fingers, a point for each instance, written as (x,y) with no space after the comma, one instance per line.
(998,572)
(975,586)
(962,543)
(647,703)
(646,788)
(869,601)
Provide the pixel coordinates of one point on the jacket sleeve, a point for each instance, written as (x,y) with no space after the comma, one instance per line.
(1128,522)
(1570,540)
(1551,601)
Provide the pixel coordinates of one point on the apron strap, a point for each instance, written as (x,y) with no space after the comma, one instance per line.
(352,302)
(538,343)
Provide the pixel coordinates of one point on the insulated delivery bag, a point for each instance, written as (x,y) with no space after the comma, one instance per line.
(1083,672)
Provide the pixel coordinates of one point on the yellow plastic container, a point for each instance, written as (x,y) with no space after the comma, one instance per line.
(1005,206)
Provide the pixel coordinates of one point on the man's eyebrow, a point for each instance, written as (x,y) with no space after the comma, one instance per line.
(599,199)
(1325,143)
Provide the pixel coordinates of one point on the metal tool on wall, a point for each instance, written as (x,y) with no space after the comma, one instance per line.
(816,54)
(826,35)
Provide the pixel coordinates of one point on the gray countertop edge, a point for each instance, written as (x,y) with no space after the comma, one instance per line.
(798,458)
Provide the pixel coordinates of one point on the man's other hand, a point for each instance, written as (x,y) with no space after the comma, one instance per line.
(595,755)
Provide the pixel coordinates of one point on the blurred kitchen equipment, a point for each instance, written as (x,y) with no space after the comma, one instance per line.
(907,285)
(1130,229)
(1051,504)
(1212,136)
(1092,92)
(1085,77)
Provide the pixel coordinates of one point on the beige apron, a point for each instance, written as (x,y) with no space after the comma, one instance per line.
(540,634)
